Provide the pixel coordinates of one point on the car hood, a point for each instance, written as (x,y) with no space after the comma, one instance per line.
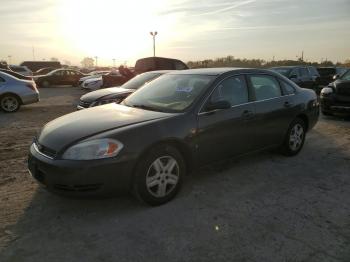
(95,95)
(340,83)
(93,79)
(68,129)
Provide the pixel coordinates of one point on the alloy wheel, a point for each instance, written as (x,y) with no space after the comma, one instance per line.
(296,137)
(9,103)
(162,176)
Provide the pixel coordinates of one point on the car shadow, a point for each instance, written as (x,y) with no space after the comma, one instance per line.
(233,208)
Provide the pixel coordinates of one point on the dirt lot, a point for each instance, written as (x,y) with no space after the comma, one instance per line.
(264,207)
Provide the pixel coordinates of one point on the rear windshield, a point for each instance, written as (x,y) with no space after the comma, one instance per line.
(282,71)
(326,71)
(16,75)
(17,69)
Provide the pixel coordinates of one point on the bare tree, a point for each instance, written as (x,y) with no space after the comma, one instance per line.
(88,62)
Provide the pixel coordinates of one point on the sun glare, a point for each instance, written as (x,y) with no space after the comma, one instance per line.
(112,28)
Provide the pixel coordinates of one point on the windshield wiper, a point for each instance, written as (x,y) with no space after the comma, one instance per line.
(147,107)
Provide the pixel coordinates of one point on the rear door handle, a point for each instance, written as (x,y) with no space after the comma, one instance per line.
(247,114)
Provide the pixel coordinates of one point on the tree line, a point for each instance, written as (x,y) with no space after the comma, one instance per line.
(231,61)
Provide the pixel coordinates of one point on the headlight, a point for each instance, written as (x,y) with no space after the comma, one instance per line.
(106,101)
(326,91)
(94,149)
(93,83)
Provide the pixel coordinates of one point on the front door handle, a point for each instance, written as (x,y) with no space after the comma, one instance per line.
(288,104)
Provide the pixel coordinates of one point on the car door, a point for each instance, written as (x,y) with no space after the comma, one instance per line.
(274,110)
(226,132)
(56,78)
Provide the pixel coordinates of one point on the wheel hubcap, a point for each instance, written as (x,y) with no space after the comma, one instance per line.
(162,176)
(9,104)
(296,137)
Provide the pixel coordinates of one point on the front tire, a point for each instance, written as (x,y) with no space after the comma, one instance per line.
(158,175)
(10,103)
(295,138)
(45,84)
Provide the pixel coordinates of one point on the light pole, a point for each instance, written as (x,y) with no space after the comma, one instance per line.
(9,57)
(96,60)
(113,62)
(153,34)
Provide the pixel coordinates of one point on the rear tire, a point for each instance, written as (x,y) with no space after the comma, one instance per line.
(9,103)
(327,113)
(295,138)
(158,175)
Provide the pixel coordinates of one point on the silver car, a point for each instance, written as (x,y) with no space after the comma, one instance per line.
(15,92)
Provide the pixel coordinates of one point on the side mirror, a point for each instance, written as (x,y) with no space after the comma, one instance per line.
(335,77)
(221,104)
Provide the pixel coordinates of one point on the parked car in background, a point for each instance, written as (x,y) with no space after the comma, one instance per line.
(59,77)
(36,65)
(92,84)
(303,76)
(327,74)
(335,98)
(158,63)
(15,92)
(177,122)
(117,94)
(23,70)
(92,75)
(19,76)
(44,71)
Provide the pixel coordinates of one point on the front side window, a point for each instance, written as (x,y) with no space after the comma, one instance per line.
(233,90)
(170,92)
(289,89)
(265,87)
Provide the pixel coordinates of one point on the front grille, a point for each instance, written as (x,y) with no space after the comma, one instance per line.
(77,188)
(84,104)
(343,90)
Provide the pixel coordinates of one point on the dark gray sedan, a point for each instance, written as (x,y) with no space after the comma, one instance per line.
(177,122)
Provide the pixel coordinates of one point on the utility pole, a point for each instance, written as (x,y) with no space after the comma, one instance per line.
(302,56)
(113,62)
(33,52)
(153,34)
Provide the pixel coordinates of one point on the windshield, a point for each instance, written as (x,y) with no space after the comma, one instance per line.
(346,76)
(170,93)
(140,80)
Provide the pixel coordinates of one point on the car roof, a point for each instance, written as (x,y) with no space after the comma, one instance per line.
(219,71)
(160,71)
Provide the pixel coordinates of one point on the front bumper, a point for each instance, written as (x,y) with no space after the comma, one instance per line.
(81,178)
(332,105)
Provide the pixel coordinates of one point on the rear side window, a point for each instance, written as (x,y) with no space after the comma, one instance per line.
(180,66)
(288,88)
(265,87)
(304,72)
(165,64)
(233,90)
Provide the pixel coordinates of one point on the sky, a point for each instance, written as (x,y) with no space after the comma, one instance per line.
(187,29)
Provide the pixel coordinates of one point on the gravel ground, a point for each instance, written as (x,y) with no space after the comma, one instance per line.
(263,207)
